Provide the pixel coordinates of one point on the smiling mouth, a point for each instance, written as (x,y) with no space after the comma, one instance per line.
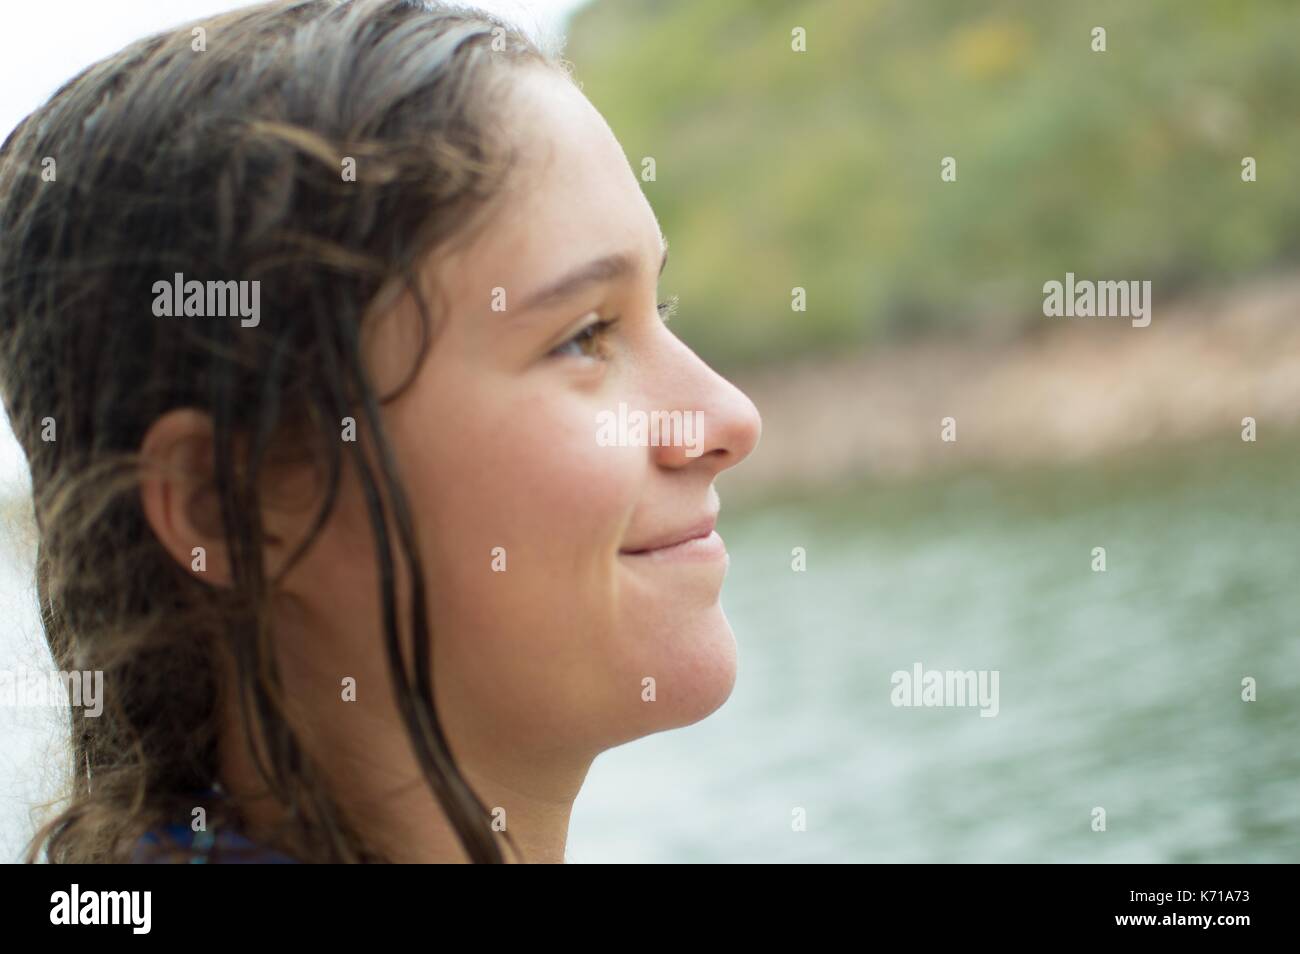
(700,541)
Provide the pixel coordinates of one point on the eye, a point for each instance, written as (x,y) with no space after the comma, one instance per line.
(587,342)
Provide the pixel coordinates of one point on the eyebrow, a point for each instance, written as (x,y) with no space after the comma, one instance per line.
(606,269)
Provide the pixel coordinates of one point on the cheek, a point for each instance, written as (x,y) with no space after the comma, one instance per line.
(527,475)
(521,514)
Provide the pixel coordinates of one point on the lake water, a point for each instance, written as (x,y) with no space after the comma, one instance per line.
(1119,690)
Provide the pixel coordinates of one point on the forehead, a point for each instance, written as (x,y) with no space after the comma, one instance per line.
(573,195)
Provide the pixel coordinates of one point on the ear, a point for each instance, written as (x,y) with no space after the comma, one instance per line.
(181,503)
(179,496)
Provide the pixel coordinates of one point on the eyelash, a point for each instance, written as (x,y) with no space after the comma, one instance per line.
(596,331)
(668,308)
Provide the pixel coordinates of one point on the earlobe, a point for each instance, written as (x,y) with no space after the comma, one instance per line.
(178,495)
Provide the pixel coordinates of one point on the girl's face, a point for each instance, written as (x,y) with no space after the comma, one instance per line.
(563,623)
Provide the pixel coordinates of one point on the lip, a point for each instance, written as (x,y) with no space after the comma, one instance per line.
(699,539)
(705,549)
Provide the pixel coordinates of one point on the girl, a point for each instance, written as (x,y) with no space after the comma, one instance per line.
(309,312)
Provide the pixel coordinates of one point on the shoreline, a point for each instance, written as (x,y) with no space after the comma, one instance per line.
(1079,390)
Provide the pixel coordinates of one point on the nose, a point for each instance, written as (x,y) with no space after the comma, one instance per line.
(720,424)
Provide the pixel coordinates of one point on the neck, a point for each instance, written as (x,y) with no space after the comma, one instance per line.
(364,754)
(410,827)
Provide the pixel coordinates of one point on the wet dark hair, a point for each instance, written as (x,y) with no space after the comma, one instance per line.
(226,162)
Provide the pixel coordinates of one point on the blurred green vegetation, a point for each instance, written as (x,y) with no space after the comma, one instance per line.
(821,169)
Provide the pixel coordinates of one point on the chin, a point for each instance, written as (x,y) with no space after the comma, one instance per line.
(716,671)
(694,666)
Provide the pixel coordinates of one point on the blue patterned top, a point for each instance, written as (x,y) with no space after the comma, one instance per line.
(179,844)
